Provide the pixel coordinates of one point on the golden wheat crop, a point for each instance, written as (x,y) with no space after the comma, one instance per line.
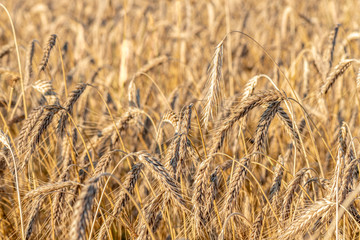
(217,119)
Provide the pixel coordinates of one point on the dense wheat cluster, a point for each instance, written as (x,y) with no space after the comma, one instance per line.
(219,119)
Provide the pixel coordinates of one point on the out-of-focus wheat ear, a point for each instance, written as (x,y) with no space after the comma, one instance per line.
(329,53)
(68,107)
(6,49)
(35,209)
(132,94)
(321,209)
(358,80)
(306,75)
(29,59)
(289,195)
(239,111)
(46,53)
(237,180)
(263,126)
(122,198)
(335,74)
(213,92)
(160,172)
(151,64)
(82,209)
(33,118)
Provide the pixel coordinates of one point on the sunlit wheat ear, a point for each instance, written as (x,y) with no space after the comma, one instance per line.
(213,92)
(33,215)
(33,118)
(288,124)
(39,128)
(160,172)
(178,150)
(238,112)
(263,127)
(151,210)
(249,87)
(237,180)
(214,187)
(46,53)
(290,192)
(320,210)
(68,107)
(83,209)
(46,89)
(273,199)
(278,176)
(47,189)
(335,74)
(122,198)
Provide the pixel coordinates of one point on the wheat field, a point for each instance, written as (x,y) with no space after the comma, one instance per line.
(183,119)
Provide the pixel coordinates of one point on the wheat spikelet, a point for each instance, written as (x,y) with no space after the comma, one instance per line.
(122,198)
(239,112)
(151,210)
(170,117)
(212,97)
(235,185)
(286,121)
(199,198)
(82,209)
(178,150)
(335,74)
(46,53)
(102,164)
(164,178)
(68,107)
(263,126)
(39,128)
(289,194)
(213,189)
(278,176)
(249,87)
(47,189)
(35,208)
(320,209)
(257,226)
